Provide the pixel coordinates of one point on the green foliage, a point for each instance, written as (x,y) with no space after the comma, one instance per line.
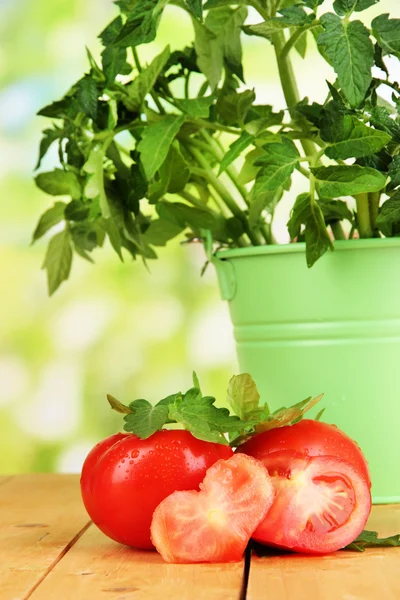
(205,421)
(370,539)
(173,171)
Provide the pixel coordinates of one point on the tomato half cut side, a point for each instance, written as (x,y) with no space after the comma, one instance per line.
(321,503)
(216,523)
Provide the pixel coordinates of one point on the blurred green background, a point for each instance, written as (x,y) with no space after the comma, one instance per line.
(113,327)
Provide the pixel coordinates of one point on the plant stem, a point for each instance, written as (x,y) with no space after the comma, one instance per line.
(290,89)
(295,37)
(223,194)
(337,231)
(363,218)
(194,201)
(373,203)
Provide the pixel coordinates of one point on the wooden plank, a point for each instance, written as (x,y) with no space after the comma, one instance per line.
(99,568)
(40,515)
(343,575)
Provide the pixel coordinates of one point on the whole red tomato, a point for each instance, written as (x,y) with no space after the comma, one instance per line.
(124,479)
(322,487)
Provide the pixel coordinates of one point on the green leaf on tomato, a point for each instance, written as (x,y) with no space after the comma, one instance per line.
(370,539)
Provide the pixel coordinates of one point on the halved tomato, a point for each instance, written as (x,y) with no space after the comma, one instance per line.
(321,504)
(216,523)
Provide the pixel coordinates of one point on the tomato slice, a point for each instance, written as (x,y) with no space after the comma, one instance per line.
(216,523)
(321,503)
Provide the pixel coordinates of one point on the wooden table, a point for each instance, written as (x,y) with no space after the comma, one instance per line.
(49,550)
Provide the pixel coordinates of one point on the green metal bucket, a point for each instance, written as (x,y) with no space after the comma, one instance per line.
(334,328)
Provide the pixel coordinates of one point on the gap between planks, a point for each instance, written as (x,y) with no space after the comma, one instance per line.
(57,560)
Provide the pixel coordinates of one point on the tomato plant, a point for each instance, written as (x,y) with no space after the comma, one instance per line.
(322,487)
(216,523)
(124,478)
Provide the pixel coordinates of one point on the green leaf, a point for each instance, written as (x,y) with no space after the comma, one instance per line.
(370,539)
(236,149)
(196,107)
(145,419)
(142,24)
(388,220)
(196,8)
(394,173)
(308,213)
(114,236)
(335,210)
(196,382)
(354,139)
(144,82)
(160,232)
(202,418)
(210,55)
(118,406)
(266,29)
(387,33)
(113,60)
(183,215)
(95,185)
(226,24)
(243,397)
(87,96)
(234,108)
(277,164)
(156,141)
(349,49)
(49,136)
(173,175)
(51,217)
(345,7)
(294,15)
(381,119)
(109,34)
(343,180)
(58,260)
(59,183)
(263,201)
(76,210)
(286,416)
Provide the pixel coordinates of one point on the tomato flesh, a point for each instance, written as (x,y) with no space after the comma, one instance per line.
(321,503)
(216,523)
(124,478)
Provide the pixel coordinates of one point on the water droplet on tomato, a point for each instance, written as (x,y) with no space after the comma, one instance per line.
(134,453)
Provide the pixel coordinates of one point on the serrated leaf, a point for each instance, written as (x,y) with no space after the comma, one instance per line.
(95,185)
(388,220)
(114,236)
(109,34)
(234,108)
(112,60)
(118,406)
(345,7)
(266,29)
(196,382)
(236,149)
(210,55)
(226,24)
(243,397)
(160,232)
(343,180)
(195,107)
(183,215)
(380,118)
(58,260)
(156,141)
(202,418)
(196,8)
(308,213)
(394,173)
(294,15)
(145,419)
(76,211)
(354,139)
(335,210)
(286,416)
(387,33)
(370,539)
(142,24)
(349,49)
(277,164)
(51,217)
(49,136)
(87,96)
(144,82)
(59,183)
